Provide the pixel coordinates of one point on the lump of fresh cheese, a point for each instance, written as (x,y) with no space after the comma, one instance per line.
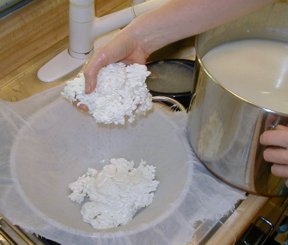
(112,196)
(121,93)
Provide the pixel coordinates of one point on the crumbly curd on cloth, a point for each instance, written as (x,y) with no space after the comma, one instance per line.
(112,196)
(121,93)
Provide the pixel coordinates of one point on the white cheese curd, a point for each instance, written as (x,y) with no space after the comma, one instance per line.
(121,93)
(112,196)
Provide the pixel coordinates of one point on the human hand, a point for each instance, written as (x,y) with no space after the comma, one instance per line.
(125,47)
(276,152)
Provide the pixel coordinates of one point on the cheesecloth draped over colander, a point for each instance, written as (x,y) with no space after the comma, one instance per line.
(46,144)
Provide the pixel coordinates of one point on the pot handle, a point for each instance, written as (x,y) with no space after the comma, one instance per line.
(169,100)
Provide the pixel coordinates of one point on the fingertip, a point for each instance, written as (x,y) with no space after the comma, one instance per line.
(279,170)
(83,107)
(265,137)
(262,138)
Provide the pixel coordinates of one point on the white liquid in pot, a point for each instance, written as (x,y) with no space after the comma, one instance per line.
(255,70)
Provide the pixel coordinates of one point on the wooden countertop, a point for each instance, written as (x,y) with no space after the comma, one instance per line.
(30,37)
(33,35)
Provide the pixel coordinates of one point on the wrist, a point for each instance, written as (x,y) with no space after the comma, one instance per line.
(146,35)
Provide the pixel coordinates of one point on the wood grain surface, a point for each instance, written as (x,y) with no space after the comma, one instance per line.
(30,37)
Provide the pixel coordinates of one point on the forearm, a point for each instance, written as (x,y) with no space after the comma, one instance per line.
(182,18)
(173,21)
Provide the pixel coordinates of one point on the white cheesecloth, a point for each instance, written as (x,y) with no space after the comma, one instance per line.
(46,144)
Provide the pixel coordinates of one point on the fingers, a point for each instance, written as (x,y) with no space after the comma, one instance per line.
(276,155)
(91,69)
(276,152)
(118,49)
(279,170)
(81,106)
(277,137)
(124,47)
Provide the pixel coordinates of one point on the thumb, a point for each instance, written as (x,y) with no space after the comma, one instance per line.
(119,48)
(91,69)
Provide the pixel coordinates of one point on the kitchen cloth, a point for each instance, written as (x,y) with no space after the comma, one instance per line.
(46,142)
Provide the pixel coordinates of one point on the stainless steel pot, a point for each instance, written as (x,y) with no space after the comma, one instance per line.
(223,129)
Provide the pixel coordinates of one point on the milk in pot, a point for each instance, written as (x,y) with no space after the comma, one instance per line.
(255,70)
